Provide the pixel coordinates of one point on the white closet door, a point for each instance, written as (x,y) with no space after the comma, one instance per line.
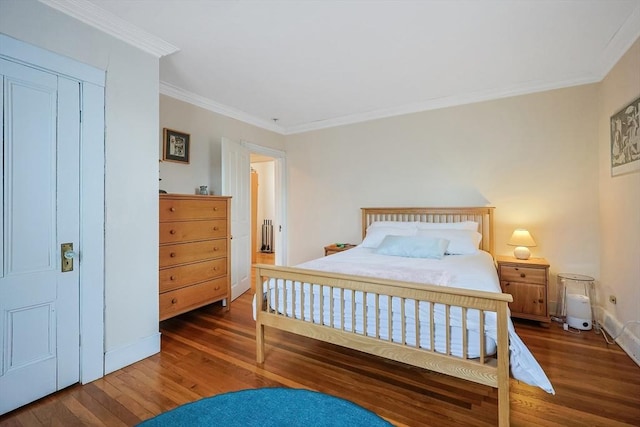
(39,304)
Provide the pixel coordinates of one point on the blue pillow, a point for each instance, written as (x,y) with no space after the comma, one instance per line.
(413,247)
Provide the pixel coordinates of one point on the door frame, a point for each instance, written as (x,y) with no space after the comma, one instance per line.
(92,202)
(280,194)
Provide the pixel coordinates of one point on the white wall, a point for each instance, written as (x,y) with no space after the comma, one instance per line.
(131,176)
(620,209)
(533,157)
(206,129)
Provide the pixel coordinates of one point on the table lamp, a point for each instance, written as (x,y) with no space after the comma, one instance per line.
(522,240)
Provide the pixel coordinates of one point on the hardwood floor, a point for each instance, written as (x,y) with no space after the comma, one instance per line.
(210,351)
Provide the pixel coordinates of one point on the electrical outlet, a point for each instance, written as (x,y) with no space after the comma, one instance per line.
(613,299)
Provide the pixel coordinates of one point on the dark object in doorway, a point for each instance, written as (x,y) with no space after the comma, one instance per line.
(267,236)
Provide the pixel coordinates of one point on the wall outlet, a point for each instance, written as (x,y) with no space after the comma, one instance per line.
(613,299)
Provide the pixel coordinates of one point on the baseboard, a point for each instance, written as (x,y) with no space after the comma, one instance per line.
(125,356)
(628,341)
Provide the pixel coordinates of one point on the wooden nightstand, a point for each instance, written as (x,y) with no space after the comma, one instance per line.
(334,248)
(528,282)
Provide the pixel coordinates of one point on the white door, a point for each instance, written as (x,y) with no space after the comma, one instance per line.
(236,170)
(39,305)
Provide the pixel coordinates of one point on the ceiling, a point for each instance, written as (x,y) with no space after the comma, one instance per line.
(317,64)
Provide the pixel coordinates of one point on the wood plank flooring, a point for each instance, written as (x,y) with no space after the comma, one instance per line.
(210,351)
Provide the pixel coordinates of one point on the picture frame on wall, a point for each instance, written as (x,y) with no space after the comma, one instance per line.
(625,139)
(176,146)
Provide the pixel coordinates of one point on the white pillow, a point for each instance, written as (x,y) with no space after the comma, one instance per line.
(461,242)
(413,247)
(376,235)
(464,225)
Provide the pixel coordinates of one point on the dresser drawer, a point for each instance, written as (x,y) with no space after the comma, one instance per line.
(184,275)
(187,209)
(523,274)
(191,252)
(184,299)
(173,232)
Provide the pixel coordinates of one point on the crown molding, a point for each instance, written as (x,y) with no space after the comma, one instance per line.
(433,104)
(620,43)
(107,22)
(438,103)
(200,101)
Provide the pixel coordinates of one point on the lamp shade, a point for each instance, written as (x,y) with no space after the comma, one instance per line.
(522,239)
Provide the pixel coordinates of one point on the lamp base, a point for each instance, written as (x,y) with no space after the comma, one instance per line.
(522,252)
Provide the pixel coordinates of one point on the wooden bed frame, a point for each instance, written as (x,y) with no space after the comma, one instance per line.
(488,370)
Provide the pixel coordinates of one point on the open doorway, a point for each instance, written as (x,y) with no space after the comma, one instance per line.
(263,209)
(236,182)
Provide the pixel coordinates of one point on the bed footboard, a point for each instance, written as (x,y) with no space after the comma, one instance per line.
(432,327)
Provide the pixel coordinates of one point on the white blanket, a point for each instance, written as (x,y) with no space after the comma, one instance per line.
(476,272)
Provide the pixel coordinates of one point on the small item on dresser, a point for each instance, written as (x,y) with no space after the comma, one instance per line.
(203,190)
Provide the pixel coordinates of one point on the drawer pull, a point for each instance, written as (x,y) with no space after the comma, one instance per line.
(172,278)
(216,228)
(172,209)
(522,275)
(172,254)
(216,288)
(540,300)
(174,300)
(215,249)
(215,268)
(215,209)
(172,231)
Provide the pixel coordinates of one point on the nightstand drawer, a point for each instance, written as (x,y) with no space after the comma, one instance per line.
(510,273)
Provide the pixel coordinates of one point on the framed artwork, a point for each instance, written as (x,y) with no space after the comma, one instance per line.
(625,139)
(176,146)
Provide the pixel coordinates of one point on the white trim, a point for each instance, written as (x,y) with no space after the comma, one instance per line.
(92,219)
(281,191)
(35,57)
(91,265)
(627,341)
(620,43)
(200,101)
(432,104)
(107,22)
(132,353)
(438,103)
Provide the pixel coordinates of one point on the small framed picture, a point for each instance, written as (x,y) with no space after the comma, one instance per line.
(176,146)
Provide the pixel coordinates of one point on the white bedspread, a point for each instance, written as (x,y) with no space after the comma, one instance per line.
(476,272)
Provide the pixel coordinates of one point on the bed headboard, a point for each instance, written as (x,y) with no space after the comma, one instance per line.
(482,215)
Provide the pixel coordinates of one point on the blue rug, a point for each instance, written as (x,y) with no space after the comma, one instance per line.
(266,407)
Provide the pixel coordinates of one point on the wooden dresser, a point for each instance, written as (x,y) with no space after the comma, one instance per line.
(194,252)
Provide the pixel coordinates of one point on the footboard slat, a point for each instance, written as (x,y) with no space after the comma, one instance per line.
(410,310)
